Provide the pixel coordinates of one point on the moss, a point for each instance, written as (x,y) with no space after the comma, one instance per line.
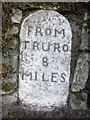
(80,100)
(8,86)
(79,96)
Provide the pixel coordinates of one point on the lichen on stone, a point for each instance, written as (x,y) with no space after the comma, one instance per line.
(7,87)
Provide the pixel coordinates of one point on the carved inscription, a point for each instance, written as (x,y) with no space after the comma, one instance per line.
(45,54)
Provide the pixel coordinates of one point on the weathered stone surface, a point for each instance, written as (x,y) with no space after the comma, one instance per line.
(14,61)
(81,73)
(5,111)
(5,61)
(78,100)
(88,81)
(17,16)
(7,100)
(67,7)
(89,57)
(13,43)
(84,35)
(85,16)
(84,41)
(45,55)
(14,30)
